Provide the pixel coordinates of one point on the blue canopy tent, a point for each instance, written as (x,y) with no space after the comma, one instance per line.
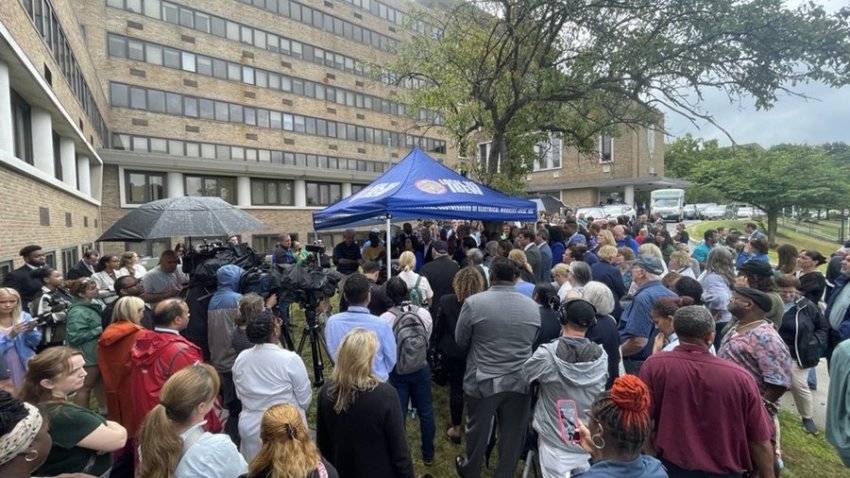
(420,187)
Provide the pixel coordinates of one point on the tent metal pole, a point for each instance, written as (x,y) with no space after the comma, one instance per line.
(387,247)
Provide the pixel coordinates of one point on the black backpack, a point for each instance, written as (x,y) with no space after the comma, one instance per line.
(411,340)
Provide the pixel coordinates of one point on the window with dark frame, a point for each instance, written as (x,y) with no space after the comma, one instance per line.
(271,192)
(215,186)
(5,268)
(50,259)
(323,194)
(21,128)
(70,256)
(143,186)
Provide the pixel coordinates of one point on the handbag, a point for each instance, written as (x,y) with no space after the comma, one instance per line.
(439,374)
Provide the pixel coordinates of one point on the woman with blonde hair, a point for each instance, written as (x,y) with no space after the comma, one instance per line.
(359,424)
(415,282)
(287,450)
(113,359)
(130,266)
(83,441)
(172,440)
(18,339)
(680,262)
(526,273)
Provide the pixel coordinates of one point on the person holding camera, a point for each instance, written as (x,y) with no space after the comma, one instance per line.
(571,371)
(18,339)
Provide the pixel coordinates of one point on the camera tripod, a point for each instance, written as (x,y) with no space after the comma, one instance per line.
(317,345)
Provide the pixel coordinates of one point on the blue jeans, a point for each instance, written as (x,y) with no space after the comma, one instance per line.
(417,387)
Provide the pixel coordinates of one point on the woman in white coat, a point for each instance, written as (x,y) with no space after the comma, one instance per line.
(265,375)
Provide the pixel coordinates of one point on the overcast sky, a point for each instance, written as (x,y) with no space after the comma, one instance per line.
(824,118)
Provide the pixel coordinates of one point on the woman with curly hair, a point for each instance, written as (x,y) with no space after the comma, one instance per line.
(618,426)
(467,282)
(287,450)
(359,425)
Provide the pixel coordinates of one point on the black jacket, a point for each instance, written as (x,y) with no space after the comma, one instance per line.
(79,271)
(444,328)
(21,280)
(440,274)
(804,330)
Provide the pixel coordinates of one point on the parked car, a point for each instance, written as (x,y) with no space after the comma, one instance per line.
(597,213)
(613,211)
(701,207)
(690,211)
(716,212)
(744,212)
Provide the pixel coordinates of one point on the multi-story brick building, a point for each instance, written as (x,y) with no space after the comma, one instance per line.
(52,125)
(624,167)
(278,106)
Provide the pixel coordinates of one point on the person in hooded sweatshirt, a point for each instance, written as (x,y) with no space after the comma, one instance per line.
(571,372)
(221,322)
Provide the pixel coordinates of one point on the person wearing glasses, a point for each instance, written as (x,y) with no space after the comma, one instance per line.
(129,286)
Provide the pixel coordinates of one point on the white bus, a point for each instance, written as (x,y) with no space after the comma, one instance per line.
(669,203)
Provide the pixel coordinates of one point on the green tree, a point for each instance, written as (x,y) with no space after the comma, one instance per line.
(512,70)
(780,177)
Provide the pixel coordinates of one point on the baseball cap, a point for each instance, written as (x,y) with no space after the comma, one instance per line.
(579,312)
(758,297)
(756,268)
(650,264)
(441,247)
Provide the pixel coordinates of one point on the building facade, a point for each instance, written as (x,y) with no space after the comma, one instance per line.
(280,107)
(622,168)
(52,126)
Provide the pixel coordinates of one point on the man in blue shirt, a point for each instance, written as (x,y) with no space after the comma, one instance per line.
(637,330)
(356,292)
(701,251)
(624,240)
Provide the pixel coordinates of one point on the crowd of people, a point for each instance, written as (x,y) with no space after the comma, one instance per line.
(583,347)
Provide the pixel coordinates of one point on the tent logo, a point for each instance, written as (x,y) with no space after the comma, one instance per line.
(430,186)
(375,191)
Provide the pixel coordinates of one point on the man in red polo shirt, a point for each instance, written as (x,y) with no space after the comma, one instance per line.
(709,417)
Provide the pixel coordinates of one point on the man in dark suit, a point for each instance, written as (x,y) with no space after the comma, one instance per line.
(21,279)
(84,268)
(532,253)
(494,382)
(541,239)
(426,246)
(440,273)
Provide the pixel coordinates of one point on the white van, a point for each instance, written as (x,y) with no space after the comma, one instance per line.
(669,203)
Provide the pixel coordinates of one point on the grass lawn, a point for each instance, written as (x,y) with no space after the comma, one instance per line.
(807,456)
(783,236)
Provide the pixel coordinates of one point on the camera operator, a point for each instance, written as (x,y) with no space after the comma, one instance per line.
(50,305)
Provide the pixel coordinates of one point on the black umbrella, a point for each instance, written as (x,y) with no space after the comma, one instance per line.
(547,203)
(190,216)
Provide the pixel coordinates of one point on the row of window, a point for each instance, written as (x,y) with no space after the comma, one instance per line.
(125,47)
(224,28)
(382,10)
(549,152)
(135,97)
(145,186)
(329,23)
(224,152)
(43,15)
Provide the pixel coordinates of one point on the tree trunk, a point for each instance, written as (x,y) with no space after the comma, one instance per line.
(772,219)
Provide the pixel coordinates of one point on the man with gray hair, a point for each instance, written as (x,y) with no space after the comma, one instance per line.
(718,444)
(637,330)
(475,258)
